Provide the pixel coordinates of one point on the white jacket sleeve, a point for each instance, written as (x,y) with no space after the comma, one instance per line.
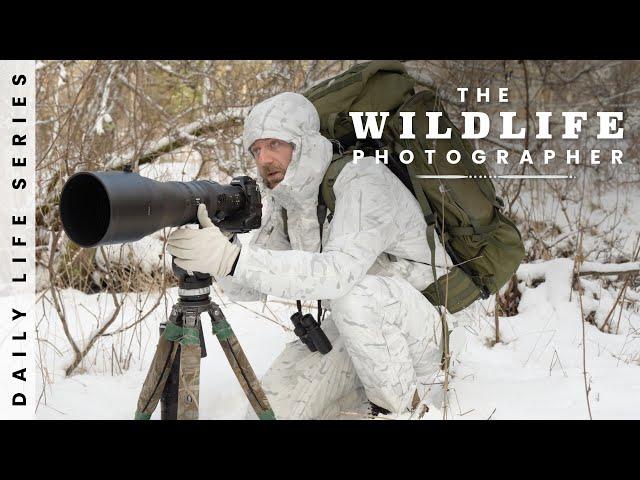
(363,227)
(270,235)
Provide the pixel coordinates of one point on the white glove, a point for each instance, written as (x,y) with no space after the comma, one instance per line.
(207,250)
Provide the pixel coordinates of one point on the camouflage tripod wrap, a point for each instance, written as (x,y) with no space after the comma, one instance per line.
(182,336)
(240,364)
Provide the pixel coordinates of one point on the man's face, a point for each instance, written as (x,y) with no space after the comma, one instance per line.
(272,157)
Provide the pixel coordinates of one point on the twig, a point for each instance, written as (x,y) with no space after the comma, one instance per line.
(118,305)
(264,316)
(615,304)
(583,321)
(445,329)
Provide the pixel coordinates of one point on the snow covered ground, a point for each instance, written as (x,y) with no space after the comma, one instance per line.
(534,372)
(104,392)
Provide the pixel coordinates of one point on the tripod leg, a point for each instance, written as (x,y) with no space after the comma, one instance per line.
(189,371)
(189,382)
(170,394)
(169,397)
(240,364)
(157,375)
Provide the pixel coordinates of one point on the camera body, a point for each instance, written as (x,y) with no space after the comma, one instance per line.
(248,217)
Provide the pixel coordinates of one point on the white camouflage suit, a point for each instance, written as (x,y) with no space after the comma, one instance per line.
(373,264)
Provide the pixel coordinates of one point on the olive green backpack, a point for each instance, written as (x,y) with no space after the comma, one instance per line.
(465,214)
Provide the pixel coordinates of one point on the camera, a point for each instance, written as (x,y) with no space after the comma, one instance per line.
(101,208)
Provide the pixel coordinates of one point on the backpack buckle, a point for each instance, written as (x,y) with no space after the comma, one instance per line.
(337,144)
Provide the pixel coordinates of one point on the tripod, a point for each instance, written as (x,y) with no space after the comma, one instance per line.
(174,375)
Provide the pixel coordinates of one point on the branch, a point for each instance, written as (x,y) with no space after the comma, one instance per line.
(79,356)
(182,137)
(538,271)
(58,303)
(595,268)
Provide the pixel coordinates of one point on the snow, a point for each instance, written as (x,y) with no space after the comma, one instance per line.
(101,391)
(609,268)
(611,221)
(534,372)
(104,119)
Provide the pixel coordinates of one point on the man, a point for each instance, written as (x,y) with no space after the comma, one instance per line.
(369,272)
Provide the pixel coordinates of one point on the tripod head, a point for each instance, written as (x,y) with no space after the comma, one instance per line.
(191,287)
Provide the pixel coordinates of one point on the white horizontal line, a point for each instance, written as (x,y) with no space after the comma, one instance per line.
(456,177)
(442,176)
(536,176)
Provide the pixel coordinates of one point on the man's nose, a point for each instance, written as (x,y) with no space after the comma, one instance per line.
(264,157)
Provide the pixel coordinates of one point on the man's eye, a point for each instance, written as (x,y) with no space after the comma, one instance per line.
(255,151)
(275,144)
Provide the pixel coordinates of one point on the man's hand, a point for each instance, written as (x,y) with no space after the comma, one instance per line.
(207,250)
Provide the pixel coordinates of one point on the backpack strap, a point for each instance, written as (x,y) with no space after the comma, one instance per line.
(326,201)
(326,196)
(283,213)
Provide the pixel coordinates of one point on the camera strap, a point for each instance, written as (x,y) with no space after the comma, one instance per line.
(322,215)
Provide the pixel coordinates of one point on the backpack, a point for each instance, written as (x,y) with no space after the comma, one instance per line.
(485,246)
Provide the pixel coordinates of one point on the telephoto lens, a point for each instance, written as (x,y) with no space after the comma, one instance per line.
(100,208)
(315,333)
(301,332)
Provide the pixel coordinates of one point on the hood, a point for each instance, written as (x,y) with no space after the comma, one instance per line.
(292,118)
